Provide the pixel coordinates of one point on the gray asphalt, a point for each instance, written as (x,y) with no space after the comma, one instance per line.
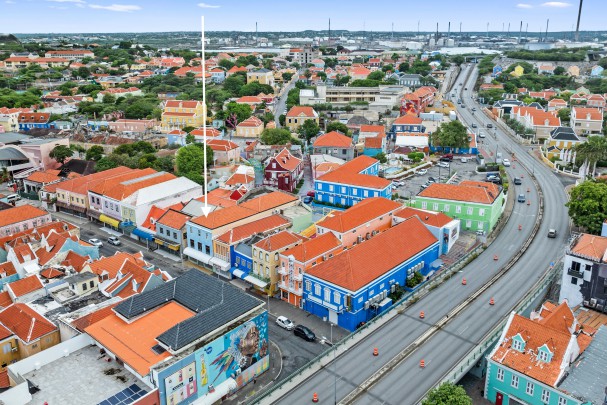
(281,102)
(406,384)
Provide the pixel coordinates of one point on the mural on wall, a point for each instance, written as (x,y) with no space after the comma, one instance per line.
(181,384)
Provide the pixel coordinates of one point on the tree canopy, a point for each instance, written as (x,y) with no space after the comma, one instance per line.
(190,161)
(308,129)
(277,136)
(60,153)
(447,394)
(338,126)
(588,205)
(451,134)
(95,153)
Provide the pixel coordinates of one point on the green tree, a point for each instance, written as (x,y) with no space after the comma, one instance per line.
(338,126)
(109,98)
(240,111)
(226,64)
(277,136)
(451,134)
(377,75)
(189,138)
(387,68)
(82,72)
(381,156)
(588,205)
(233,84)
(165,164)
(105,163)
(403,67)
(95,153)
(147,160)
(60,153)
(254,88)
(458,59)
(591,151)
(190,161)
(447,394)
(287,76)
(308,129)
(564,114)
(559,70)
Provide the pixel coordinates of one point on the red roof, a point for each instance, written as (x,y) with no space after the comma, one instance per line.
(211,132)
(174,219)
(302,111)
(43,177)
(252,121)
(239,178)
(470,191)
(221,145)
(585,113)
(33,118)
(286,160)
(349,173)
(279,241)
(249,100)
(372,128)
(359,214)
(7,269)
(5,299)
(25,286)
(313,248)
(375,142)
(182,103)
(26,323)
(407,120)
(435,219)
(260,226)
(51,273)
(333,139)
(357,267)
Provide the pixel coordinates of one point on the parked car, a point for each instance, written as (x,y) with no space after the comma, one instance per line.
(489,125)
(431,180)
(421,172)
(465,88)
(95,242)
(464,159)
(552,233)
(113,240)
(308,200)
(474,125)
(518,181)
(448,156)
(285,323)
(506,162)
(443,164)
(11,184)
(12,197)
(311,193)
(304,333)
(463,105)
(521,198)
(424,186)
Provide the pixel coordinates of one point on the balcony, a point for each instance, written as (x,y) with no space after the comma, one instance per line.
(297,276)
(283,271)
(575,273)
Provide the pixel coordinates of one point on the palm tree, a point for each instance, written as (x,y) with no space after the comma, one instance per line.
(4,176)
(591,151)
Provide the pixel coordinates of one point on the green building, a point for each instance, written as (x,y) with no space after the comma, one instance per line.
(477,204)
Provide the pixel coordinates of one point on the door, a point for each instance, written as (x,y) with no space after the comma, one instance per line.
(499,398)
(333,317)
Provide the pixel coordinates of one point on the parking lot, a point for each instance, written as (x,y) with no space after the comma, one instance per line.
(457,169)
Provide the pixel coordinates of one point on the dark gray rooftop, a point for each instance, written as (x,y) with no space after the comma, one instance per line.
(12,154)
(80,277)
(215,302)
(12,137)
(564,134)
(507,103)
(587,378)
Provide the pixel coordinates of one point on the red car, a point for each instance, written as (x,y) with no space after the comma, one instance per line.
(310,193)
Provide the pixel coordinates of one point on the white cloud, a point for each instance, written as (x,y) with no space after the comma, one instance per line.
(556,4)
(524,5)
(58,7)
(123,8)
(68,1)
(9,2)
(205,5)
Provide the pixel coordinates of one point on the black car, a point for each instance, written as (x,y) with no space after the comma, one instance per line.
(489,125)
(304,333)
(431,180)
(518,181)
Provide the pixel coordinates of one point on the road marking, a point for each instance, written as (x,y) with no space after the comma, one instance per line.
(463,330)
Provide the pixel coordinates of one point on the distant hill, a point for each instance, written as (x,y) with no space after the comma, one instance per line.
(8,39)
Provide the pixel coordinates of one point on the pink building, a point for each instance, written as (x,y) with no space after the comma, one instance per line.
(361,221)
(39,150)
(135,126)
(22,218)
(224,151)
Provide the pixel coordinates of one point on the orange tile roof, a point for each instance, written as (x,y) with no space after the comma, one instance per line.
(327,166)
(111,265)
(286,160)
(75,260)
(43,177)
(407,120)
(153,215)
(250,99)
(35,234)
(25,286)
(221,145)
(302,111)
(5,382)
(349,173)
(34,117)
(359,214)
(333,139)
(82,184)
(279,241)
(375,142)
(259,226)
(220,198)
(19,214)
(592,246)
(87,320)
(251,122)
(131,272)
(24,253)
(26,323)
(313,248)
(124,190)
(436,219)
(174,219)
(182,103)
(5,299)
(585,113)
(7,269)
(269,201)
(133,342)
(372,128)
(225,216)
(239,178)
(51,273)
(211,132)
(365,262)
(469,191)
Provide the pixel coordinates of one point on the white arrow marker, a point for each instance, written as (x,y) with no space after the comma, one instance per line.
(206,209)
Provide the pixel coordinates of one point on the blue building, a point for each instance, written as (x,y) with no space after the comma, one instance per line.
(8,274)
(472,149)
(596,71)
(497,70)
(407,123)
(533,361)
(32,120)
(374,145)
(353,286)
(352,182)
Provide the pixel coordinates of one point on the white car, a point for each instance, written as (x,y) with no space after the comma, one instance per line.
(443,164)
(464,160)
(506,162)
(421,172)
(285,323)
(95,242)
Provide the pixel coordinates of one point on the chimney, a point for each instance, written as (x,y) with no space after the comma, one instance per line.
(588,116)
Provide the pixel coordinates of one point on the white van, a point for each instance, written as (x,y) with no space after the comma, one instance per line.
(13,197)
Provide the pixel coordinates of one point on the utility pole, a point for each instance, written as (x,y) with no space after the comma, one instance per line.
(449,31)
(418,28)
(577,29)
(256,41)
(460,29)
(546,37)
(392,31)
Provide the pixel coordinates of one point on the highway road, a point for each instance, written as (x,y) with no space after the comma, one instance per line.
(407,383)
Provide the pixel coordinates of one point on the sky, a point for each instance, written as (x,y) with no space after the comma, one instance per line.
(97,16)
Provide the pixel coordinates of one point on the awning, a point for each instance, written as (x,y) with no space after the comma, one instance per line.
(159,241)
(256,282)
(222,264)
(239,273)
(195,254)
(110,221)
(221,391)
(143,234)
(125,224)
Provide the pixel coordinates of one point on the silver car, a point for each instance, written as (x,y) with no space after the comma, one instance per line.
(95,242)
(285,323)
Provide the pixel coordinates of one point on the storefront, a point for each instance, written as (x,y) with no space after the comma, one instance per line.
(110,222)
(144,236)
(170,247)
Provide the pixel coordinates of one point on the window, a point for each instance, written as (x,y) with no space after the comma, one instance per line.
(343,190)
(545,396)
(514,381)
(92,284)
(517,345)
(468,224)
(276,256)
(446,207)
(200,246)
(267,257)
(161,231)
(84,287)
(207,250)
(481,212)
(500,374)
(529,389)
(424,205)
(174,235)
(105,204)
(574,280)
(543,356)
(435,207)
(192,243)
(458,209)
(327,294)
(6,348)
(317,289)
(469,210)
(562,401)
(337,298)
(365,193)
(308,286)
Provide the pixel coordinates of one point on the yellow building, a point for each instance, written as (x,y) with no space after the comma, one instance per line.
(518,71)
(560,143)
(252,127)
(297,115)
(178,114)
(263,76)
(266,257)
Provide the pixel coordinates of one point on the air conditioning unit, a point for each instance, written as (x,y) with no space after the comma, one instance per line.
(392,288)
(385,294)
(586,303)
(15,349)
(593,302)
